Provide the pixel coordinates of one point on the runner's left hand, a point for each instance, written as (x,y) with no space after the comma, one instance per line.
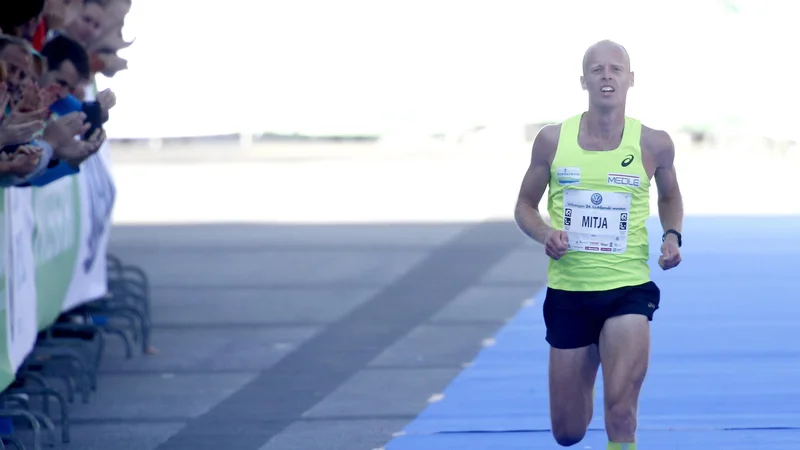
(670,254)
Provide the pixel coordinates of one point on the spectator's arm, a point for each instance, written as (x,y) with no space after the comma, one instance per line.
(53,173)
(94,111)
(7,180)
(66,105)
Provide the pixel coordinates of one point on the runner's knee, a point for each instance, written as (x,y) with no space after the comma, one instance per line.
(566,437)
(570,429)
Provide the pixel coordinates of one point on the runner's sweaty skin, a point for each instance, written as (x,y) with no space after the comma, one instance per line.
(602,259)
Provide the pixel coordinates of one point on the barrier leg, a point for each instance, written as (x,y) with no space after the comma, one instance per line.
(14,442)
(30,418)
(46,394)
(86,335)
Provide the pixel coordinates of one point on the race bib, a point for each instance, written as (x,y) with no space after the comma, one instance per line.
(595,221)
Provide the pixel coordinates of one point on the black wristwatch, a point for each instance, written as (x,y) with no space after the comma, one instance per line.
(676,233)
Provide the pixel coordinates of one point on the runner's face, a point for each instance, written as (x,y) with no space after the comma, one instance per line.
(607,75)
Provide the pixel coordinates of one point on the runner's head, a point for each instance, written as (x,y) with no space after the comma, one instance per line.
(607,74)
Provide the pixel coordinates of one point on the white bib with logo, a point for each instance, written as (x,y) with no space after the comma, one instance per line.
(596,221)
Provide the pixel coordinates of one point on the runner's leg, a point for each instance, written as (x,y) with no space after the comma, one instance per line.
(625,352)
(572,377)
(573,325)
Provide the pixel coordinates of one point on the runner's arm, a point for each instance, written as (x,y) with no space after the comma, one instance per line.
(670,201)
(534,183)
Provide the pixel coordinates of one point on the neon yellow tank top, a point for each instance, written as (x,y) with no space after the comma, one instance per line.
(602,200)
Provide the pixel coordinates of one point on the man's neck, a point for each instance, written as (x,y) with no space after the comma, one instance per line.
(605,124)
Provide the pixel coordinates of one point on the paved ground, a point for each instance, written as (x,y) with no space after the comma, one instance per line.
(322,305)
(306,337)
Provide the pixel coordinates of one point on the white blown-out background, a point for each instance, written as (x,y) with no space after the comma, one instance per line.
(419,67)
(405,71)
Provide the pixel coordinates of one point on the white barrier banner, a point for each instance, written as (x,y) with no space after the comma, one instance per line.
(21,326)
(54,241)
(97,195)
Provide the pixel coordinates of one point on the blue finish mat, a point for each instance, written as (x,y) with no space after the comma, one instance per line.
(725,356)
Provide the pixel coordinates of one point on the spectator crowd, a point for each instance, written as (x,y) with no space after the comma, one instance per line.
(60,293)
(50,52)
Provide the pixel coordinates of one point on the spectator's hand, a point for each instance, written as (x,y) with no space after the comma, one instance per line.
(62,131)
(16,117)
(49,95)
(30,99)
(112,64)
(111,39)
(77,151)
(29,106)
(22,162)
(36,98)
(107,100)
(17,128)
(19,133)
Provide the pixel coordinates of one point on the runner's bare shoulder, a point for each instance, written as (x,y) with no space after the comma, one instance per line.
(658,143)
(545,145)
(537,176)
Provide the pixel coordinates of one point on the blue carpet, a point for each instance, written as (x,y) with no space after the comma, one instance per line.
(725,355)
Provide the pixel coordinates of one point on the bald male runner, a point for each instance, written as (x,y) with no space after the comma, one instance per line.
(600,298)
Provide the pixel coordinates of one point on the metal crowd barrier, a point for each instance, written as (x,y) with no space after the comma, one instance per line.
(64,363)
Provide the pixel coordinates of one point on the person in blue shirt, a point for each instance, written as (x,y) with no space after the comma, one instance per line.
(67,69)
(67,65)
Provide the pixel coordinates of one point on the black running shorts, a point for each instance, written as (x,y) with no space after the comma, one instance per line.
(574,319)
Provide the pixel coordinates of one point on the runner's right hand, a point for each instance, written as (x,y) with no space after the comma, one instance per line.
(555,246)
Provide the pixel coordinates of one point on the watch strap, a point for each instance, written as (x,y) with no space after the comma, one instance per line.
(676,233)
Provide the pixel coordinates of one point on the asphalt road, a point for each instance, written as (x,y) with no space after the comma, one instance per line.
(313,304)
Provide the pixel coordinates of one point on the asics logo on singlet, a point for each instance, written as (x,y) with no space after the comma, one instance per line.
(627,161)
